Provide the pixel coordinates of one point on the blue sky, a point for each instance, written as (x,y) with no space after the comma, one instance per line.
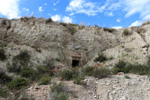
(108,13)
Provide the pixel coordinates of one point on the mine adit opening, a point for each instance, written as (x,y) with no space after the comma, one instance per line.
(75,63)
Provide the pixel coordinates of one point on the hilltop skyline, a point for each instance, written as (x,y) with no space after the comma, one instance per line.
(108,13)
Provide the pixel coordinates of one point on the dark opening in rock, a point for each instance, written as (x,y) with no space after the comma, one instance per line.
(75,63)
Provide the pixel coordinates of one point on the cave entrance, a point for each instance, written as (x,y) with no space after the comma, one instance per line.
(75,61)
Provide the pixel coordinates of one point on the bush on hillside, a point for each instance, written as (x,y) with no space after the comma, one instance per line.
(125,67)
(23,56)
(2,55)
(4,78)
(101,58)
(109,29)
(4,92)
(67,74)
(59,92)
(126,32)
(45,80)
(49,20)
(29,73)
(18,83)
(97,72)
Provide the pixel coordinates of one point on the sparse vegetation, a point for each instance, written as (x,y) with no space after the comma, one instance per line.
(24,56)
(4,22)
(45,80)
(140,30)
(59,91)
(70,27)
(4,92)
(126,32)
(14,67)
(60,96)
(126,67)
(2,55)
(58,59)
(109,29)
(146,23)
(67,74)
(25,18)
(19,62)
(49,20)
(79,80)
(18,83)
(101,58)
(97,72)
(127,77)
(4,78)
(29,73)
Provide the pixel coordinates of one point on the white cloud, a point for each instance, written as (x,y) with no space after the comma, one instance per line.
(71,14)
(136,23)
(56,18)
(117,27)
(41,9)
(118,20)
(109,13)
(9,8)
(67,19)
(82,6)
(25,9)
(137,6)
(54,9)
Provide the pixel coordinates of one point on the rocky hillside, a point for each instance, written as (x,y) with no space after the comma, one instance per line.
(38,33)
(37,41)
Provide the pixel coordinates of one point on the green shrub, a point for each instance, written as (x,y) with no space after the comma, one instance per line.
(121,65)
(25,18)
(4,92)
(127,77)
(101,72)
(3,44)
(18,83)
(109,29)
(19,62)
(45,70)
(67,74)
(60,96)
(24,56)
(48,20)
(58,88)
(126,32)
(79,80)
(64,24)
(29,73)
(70,27)
(58,59)
(2,55)
(15,66)
(45,80)
(97,72)
(125,67)
(88,70)
(101,58)
(4,78)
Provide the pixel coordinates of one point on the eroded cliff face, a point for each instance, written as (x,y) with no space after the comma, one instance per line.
(51,37)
